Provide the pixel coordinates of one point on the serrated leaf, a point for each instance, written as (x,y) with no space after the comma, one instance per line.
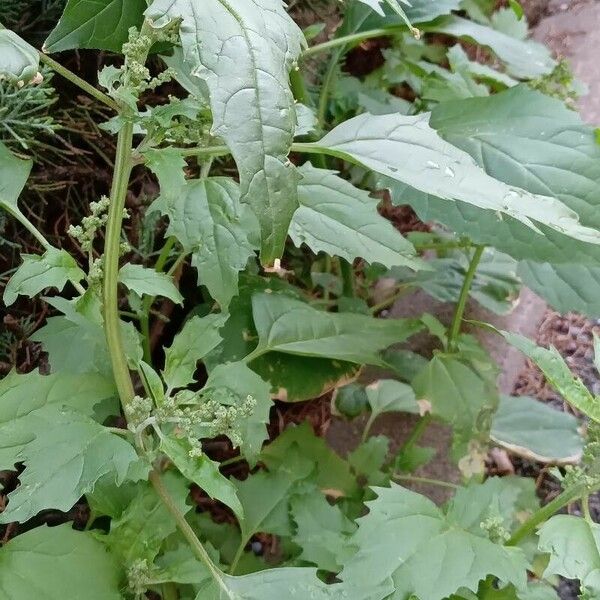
(56,563)
(198,336)
(244,52)
(144,281)
(407,150)
(558,374)
(19,61)
(408,545)
(22,396)
(536,431)
(458,394)
(54,269)
(145,524)
(523,59)
(336,218)
(330,471)
(389,395)
(322,531)
(367,459)
(82,452)
(241,382)
(202,471)
(204,215)
(574,547)
(98,24)
(293,327)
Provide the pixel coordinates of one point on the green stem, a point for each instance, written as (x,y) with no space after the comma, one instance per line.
(416,433)
(368,425)
(353,38)
(238,556)
(19,216)
(376,308)
(205,151)
(112,324)
(187,532)
(78,81)
(298,86)
(459,312)
(347,273)
(415,479)
(545,512)
(326,85)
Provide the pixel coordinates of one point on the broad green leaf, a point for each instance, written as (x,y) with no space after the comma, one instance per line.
(196,339)
(202,471)
(22,396)
(244,52)
(231,384)
(409,546)
(82,452)
(56,563)
(574,547)
(336,218)
(558,374)
(523,59)
(293,378)
(458,394)
(98,24)
(19,62)
(330,471)
(536,431)
(389,395)
(322,531)
(54,269)
(566,287)
(510,499)
(205,217)
(76,342)
(293,327)
(145,524)
(273,584)
(144,281)
(368,459)
(460,63)
(407,150)
(14,173)
(168,165)
(180,566)
(265,496)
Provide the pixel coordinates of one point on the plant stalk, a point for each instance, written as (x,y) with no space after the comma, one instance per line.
(78,81)
(112,251)
(545,512)
(459,312)
(353,38)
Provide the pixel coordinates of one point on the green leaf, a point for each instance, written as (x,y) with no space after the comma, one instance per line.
(244,52)
(523,59)
(389,395)
(536,431)
(82,452)
(202,471)
(205,217)
(98,24)
(14,173)
(407,545)
(143,527)
(460,63)
(272,584)
(330,471)
(574,547)
(322,531)
(293,378)
(19,62)
(242,382)
(367,459)
(54,268)
(558,374)
(293,327)
(22,396)
(55,563)
(144,281)
(196,339)
(407,150)
(458,394)
(336,218)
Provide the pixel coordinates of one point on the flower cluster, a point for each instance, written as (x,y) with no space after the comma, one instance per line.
(86,232)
